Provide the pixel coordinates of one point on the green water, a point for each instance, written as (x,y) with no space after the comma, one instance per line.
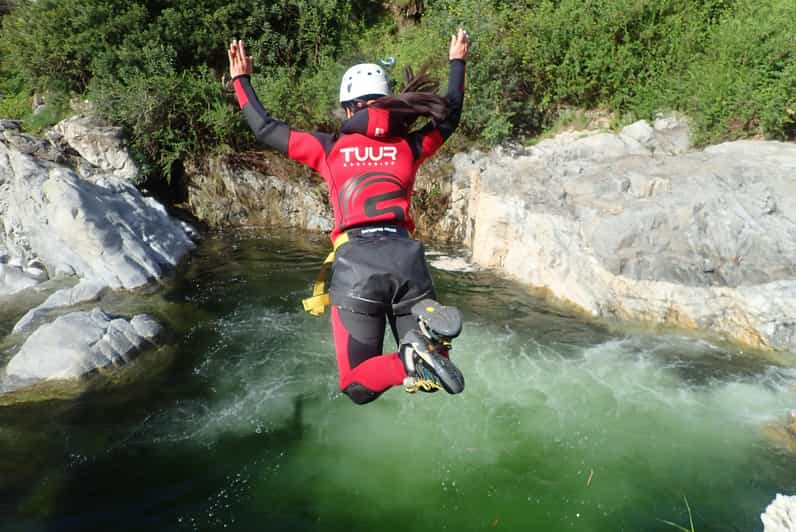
(564,425)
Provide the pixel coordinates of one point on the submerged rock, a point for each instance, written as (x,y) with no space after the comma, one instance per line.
(79,343)
(780,515)
(83,292)
(628,226)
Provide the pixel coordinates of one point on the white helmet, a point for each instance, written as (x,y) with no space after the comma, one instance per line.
(363,80)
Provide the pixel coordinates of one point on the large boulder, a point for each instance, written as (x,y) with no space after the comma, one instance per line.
(631,226)
(68,208)
(102,229)
(79,343)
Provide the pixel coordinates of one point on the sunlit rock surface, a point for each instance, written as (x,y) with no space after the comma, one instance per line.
(99,144)
(79,343)
(101,229)
(632,226)
(780,515)
(83,292)
(70,213)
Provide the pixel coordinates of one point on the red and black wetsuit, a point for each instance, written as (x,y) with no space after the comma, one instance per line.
(369,169)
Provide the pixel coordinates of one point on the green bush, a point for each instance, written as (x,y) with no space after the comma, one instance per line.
(729,64)
(15,105)
(156,67)
(744,81)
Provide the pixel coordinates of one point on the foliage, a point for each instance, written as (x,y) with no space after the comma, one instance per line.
(744,81)
(156,67)
(15,105)
(709,58)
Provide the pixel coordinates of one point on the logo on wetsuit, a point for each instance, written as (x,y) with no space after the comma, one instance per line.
(354,199)
(368,155)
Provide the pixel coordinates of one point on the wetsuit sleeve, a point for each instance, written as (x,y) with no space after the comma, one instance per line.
(428,139)
(306,148)
(267,130)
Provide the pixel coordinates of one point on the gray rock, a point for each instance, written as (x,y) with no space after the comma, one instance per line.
(780,515)
(13,279)
(699,239)
(99,144)
(11,134)
(641,132)
(146,327)
(672,134)
(226,194)
(83,292)
(103,230)
(77,344)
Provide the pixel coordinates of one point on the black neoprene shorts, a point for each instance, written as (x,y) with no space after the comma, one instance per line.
(380,270)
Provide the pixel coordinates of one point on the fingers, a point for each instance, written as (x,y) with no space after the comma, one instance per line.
(459,44)
(463,37)
(233,53)
(239,62)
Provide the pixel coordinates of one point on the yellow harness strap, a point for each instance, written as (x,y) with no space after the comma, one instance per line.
(316,305)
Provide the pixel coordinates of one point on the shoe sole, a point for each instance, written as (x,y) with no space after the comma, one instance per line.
(444,322)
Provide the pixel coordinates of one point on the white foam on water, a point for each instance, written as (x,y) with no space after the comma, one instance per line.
(534,423)
(262,361)
(448,263)
(532,417)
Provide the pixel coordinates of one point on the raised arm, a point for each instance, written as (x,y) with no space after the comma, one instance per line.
(457,55)
(427,140)
(268,131)
(306,148)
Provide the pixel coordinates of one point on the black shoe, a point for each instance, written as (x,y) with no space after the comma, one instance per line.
(437,322)
(427,366)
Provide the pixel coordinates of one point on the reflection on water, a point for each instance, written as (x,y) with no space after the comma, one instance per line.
(565,425)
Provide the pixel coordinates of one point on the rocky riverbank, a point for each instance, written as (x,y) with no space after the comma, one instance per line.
(631,225)
(634,226)
(73,225)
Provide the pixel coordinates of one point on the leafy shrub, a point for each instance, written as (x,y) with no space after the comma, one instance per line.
(156,67)
(15,105)
(744,81)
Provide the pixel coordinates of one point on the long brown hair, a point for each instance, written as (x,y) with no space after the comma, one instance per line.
(418,98)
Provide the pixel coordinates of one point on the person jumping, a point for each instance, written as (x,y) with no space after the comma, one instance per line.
(378,272)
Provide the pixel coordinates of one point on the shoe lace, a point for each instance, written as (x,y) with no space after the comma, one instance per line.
(425,385)
(423,381)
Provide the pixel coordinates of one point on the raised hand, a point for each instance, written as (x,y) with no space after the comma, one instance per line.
(459,45)
(239,63)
